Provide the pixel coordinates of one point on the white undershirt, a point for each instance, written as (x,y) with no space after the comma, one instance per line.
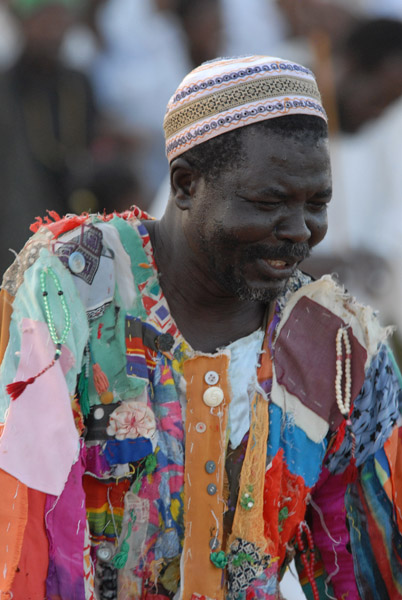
(244,354)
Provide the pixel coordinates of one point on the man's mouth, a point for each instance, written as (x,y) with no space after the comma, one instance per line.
(277,268)
(277,264)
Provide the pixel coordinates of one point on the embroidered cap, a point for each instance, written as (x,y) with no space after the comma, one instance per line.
(227,93)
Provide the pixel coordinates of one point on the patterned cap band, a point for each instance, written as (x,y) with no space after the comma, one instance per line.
(228,93)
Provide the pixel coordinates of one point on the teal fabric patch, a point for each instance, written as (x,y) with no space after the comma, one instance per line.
(28,303)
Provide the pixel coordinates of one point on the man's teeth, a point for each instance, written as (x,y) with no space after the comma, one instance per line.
(278,264)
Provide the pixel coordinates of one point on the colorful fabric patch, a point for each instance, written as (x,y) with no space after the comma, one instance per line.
(66,524)
(245,564)
(139,356)
(284,505)
(89,245)
(105,507)
(13,520)
(375,413)
(126,451)
(303,457)
(304,364)
(376,542)
(30,576)
(41,418)
(331,534)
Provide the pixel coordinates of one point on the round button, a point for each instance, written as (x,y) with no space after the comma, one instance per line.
(105,552)
(200,427)
(210,466)
(99,413)
(214,543)
(76,262)
(213,396)
(211,489)
(211,378)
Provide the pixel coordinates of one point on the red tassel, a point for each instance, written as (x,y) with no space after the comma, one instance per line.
(351,472)
(15,389)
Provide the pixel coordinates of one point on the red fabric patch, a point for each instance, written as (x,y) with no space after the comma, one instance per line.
(305,359)
(284,505)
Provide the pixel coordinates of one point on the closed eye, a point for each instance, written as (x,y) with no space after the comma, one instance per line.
(317,206)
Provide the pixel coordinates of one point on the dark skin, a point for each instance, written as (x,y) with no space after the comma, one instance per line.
(224,249)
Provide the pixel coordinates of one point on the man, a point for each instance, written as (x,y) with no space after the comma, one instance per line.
(47,123)
(236,413)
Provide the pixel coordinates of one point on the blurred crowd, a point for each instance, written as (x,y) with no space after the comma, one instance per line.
(84,85)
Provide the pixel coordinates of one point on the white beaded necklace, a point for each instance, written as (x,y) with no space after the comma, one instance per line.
(343,399)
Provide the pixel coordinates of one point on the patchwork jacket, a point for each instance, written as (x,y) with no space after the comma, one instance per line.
(117,476)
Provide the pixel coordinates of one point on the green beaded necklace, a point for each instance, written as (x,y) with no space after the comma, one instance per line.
(16,388)
(58,341)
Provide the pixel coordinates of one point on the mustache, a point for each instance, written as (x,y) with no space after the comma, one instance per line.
(298,251)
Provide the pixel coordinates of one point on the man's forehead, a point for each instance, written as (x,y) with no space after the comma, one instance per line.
(229,93)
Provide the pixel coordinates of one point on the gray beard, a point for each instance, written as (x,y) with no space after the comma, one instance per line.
(239,287)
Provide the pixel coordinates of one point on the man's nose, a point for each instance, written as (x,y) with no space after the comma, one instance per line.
(293,227)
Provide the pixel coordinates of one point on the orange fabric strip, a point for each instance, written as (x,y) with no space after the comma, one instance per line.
(30,579)
(248,522)
(393,450)
(13,520)
(205,466)
(6,309)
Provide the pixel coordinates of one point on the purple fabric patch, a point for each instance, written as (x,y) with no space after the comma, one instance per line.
(96,463)
(337,559)
(65,519)
(305,359)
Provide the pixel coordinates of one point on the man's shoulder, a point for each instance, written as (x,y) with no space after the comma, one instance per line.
(77,240)
(324,297)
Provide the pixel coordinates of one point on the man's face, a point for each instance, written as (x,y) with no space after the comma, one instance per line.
(250,227)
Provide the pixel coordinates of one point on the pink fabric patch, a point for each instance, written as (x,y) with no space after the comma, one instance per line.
(330,498)
(40,442)
(65,522)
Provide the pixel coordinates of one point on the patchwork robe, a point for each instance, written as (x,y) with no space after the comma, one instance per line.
(117,476)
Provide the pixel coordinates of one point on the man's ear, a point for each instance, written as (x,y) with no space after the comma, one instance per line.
(183,181)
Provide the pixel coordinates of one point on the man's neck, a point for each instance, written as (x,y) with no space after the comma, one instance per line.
(207,318)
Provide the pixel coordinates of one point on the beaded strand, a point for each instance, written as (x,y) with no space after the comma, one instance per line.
(58,341)
(343,399)
(308,566)
(16,388)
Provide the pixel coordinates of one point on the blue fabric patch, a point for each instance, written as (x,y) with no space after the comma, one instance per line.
(302,456)
(369,579)
(382,460)
(119,452)
(374,415)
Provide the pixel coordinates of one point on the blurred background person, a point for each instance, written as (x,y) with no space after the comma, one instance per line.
(47,122)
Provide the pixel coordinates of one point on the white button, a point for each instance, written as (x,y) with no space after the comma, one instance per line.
(211,378)
(213,396)
(200,427)
(99,413)
(105,552)
(76,262)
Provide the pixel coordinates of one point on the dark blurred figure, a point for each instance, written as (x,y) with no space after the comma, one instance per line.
(110,184)
(202,24)
(368,72)
(47,121)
